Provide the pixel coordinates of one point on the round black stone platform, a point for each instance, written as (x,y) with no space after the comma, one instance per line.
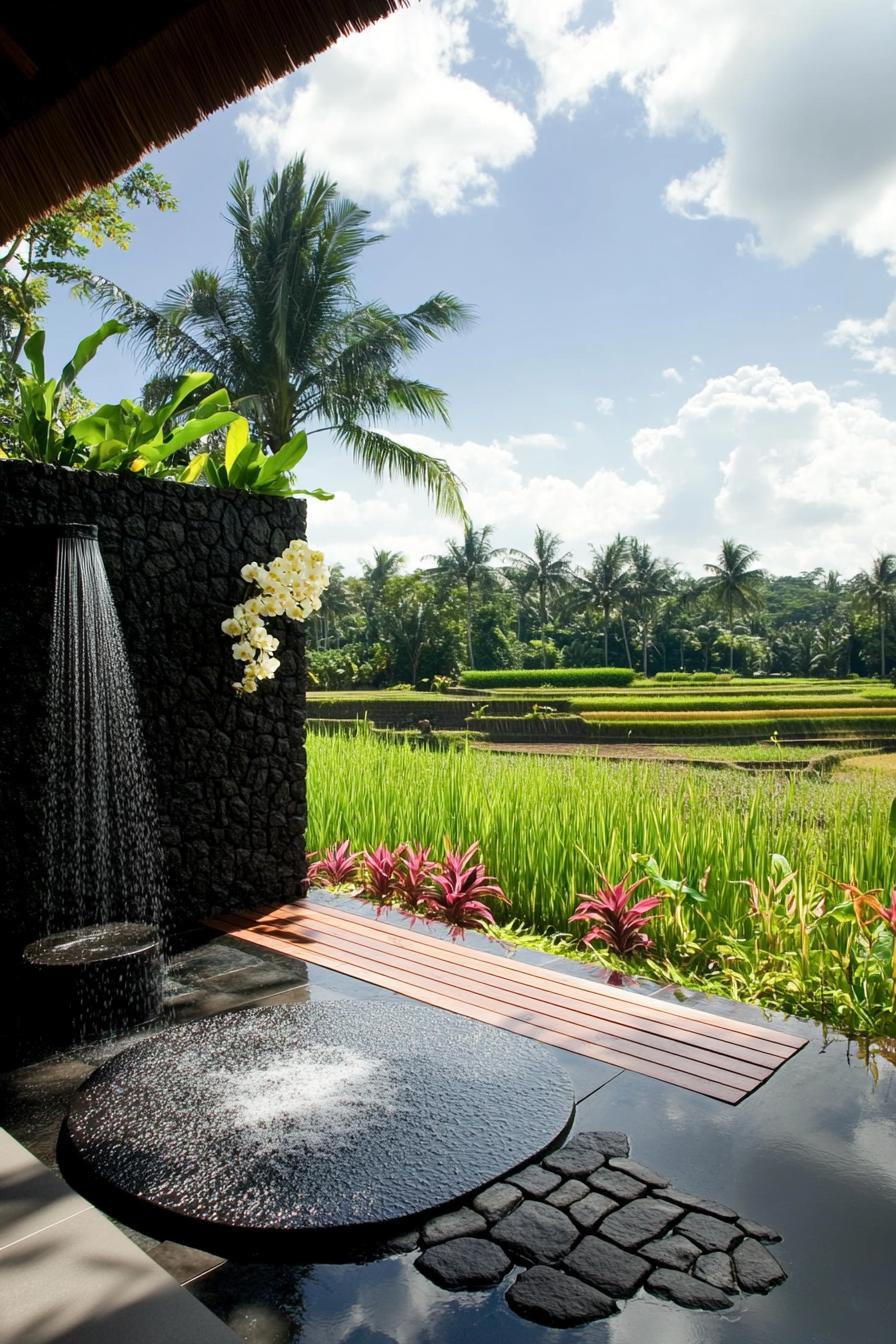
(92,981)
(312,1128)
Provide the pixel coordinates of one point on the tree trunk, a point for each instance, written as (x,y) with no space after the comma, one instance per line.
(470,623)
(644,645)
(881,620)
(628,652)
(542,611)
(606,636)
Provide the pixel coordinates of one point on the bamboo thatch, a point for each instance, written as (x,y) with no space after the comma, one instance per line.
(84,95)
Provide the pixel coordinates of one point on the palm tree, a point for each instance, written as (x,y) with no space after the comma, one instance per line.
(551,574)
(734,586)
(335,601)
(284,332)
(605,582)
(386,565)
(650,580)
(519,580)
(469,562)
(876,589)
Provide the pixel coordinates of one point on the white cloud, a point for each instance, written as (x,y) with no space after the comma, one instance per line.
(387,115)
(535,441)
(673,375)
(499,492)
(604,405)
(865,339)
(805,479)
(695,359)
(799,98)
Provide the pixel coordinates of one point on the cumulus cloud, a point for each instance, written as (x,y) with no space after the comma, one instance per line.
(777,464)
(781,465)
(867,340)
(798,99)
(386,113)
(604,405)
(673,375)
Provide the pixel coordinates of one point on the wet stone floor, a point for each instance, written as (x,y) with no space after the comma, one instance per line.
(811,1154)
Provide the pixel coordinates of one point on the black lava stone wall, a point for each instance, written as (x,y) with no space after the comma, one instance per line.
(230,771)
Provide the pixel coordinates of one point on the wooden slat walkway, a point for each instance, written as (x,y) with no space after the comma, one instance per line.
(718,1057)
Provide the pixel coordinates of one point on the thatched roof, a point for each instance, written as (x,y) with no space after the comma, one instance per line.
(85,92)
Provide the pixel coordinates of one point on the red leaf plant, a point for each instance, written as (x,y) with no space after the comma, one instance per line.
(336,868)
(414,875)
(459,888)
(615,922)
(379,866)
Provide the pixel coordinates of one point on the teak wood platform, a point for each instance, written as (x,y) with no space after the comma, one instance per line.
(718,1057)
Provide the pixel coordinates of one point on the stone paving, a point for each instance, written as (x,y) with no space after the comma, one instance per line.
(638,1232)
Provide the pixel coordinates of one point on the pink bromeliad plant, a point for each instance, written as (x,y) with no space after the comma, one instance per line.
(460,888)
(415,875)
(613,920)
(336,867)
(379,869)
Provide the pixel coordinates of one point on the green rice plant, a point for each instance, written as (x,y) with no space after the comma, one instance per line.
(550,676)
(713,703)
(543,823)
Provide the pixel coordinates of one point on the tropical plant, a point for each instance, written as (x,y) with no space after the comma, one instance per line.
(414,875)
(336,866)
(605,582)
(733,586)
(550,574)
(244,465)
(613,920)
(39,430)
(469,562)
(460,889)
(115,437)
(379,872)
(876,590)
(284,332)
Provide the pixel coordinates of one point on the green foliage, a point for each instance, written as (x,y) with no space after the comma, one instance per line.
(244,465)
(40,432)
(284,332)
(114,437)
(730,703)
(55,248)
(558,676)
(687,678)
(798,948)
(124,436)
(709,832)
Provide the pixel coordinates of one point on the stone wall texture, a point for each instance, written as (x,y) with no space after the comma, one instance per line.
(230,771)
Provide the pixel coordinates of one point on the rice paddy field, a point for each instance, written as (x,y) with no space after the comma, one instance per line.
(548,824)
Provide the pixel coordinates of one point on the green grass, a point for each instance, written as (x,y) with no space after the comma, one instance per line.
(758,751)
(655,704)
(551,676)
(541,820)
(692,727)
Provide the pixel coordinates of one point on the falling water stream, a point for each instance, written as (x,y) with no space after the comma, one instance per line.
(104,873)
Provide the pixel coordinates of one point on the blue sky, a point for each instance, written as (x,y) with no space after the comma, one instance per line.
(677,222)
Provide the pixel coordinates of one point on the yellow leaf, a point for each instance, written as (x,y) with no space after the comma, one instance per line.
(138,464)
(237,438)
(193,470)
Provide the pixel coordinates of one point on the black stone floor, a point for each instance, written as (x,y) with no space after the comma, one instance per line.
(812,1153)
